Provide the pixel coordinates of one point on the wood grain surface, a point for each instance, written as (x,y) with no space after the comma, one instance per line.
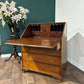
(35,42)
(44,51)
(41,58)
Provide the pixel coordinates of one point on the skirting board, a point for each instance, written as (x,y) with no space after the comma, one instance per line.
(73,62)
(8,55)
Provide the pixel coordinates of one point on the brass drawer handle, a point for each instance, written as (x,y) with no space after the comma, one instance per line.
(52,59)
(52,69)
(27,65)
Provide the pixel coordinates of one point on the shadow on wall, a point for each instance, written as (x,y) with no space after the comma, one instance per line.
(76,50)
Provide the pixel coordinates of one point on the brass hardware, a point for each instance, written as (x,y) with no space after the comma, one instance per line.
(52,69)
(52,59)
(27,65)
(27,55)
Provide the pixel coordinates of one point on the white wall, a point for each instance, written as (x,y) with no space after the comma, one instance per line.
(72,12)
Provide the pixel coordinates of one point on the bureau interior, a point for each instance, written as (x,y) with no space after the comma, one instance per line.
(44,30)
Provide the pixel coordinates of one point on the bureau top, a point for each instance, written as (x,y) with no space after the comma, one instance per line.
(36,42)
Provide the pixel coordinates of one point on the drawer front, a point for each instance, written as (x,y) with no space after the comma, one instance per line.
(41,67)
(41,58)
(42,51)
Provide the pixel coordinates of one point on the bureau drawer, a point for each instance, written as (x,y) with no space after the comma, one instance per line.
(42,50)
(41,67)
(41,58)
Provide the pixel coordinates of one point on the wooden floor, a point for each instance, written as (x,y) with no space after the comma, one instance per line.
(10,73)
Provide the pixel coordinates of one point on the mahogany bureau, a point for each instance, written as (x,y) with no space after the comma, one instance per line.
(44,48)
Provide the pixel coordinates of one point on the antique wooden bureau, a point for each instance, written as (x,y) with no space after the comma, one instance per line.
(44,48)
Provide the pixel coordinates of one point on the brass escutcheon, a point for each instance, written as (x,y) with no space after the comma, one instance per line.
(27,55)
(27,65)
(52,69)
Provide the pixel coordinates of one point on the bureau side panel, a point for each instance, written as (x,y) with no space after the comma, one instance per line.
(64,50)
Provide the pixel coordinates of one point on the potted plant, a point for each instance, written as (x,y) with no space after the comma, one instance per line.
(12,16)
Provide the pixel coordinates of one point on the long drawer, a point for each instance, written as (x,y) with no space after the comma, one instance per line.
(41,58)
(44,68)
(42,50)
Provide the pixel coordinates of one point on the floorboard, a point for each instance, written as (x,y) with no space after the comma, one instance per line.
(11,73)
